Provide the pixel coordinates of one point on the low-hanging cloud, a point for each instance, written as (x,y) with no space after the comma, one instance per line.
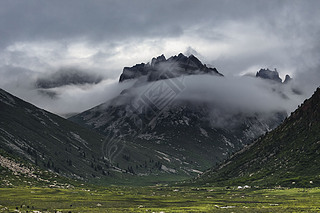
(236,37)
(74,99)
(60,95)
(240,94)
(67,76)
(222,98)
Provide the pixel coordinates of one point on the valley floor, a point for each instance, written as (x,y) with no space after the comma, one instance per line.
(158,199)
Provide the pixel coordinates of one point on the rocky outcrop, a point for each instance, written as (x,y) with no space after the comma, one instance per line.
(272,76)
(269,74)
(162,68)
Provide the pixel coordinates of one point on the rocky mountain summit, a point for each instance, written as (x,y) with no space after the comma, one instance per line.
(162,68)
(272,75)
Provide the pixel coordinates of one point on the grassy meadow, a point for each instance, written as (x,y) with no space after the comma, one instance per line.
(158,199)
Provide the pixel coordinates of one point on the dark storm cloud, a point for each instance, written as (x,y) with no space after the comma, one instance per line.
(67,76)
(114,20)
(39,37)
(92,20)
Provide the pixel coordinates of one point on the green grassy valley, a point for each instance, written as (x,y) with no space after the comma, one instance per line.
(158,199)
(26,188)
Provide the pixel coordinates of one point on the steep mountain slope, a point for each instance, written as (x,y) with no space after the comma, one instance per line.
(286,156)
(65,148)
(18,172)
(186,136)
(48,140)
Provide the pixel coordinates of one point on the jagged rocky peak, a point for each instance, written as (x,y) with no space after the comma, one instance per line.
(269,74)
(272,75)
(162,68)
(158,60)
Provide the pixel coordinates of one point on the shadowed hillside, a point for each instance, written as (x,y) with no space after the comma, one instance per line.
(286,156)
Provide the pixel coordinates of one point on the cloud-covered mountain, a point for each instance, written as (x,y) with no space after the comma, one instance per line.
(286,156)
(188,112)
(270,75)
(177,119)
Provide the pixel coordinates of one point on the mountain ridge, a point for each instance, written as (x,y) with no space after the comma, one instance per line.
(162,68)
(49,141)
(272,76)
(286,156)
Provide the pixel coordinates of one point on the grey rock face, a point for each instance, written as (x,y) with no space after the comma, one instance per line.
(162,68)
(269,74)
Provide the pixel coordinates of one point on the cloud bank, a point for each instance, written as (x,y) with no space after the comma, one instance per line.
(234,94)
(101,37)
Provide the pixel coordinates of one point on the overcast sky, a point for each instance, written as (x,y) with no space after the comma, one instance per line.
(38,38)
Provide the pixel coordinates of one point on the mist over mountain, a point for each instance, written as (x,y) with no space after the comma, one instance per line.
(64,148)
(189,111)
(178,114)
(270,75)
(286,156)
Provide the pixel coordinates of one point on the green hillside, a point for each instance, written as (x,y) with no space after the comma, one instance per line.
(49,141)
(286,156)
(65,148)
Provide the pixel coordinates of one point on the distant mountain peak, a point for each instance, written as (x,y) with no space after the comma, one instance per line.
(162,68)
(269,74)
(272,75)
